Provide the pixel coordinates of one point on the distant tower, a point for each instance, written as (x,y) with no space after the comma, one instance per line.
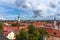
(0,19)
(18,17)
(15,19)
(55,23)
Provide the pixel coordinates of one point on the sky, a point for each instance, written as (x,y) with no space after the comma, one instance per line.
(30,9)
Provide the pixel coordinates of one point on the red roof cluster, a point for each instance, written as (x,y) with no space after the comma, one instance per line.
(8,29)
(53,32)
(38,23)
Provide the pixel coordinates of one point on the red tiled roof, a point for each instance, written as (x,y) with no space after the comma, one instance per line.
(49,25)
(14,27)
(10,28)
(11,22)
(53,32)
(6,33)
(38,23)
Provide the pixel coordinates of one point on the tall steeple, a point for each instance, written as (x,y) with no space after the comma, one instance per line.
(54,18)
(18,17)
(55,23)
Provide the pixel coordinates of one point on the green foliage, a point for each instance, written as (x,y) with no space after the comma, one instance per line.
(14,25)
(33,33)
(23,35)
(43,33)
(17,24)
(1,27)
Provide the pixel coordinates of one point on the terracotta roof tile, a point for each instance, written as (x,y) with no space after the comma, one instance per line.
(53,32)
(38,23)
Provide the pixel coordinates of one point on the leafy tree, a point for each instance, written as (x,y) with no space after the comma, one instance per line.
(23,35)
(33,33)
(43,33)
(16,24)
(1,27)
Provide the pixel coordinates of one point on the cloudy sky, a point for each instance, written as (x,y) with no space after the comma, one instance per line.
(30,9)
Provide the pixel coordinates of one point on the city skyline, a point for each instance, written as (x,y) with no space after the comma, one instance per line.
(49,8)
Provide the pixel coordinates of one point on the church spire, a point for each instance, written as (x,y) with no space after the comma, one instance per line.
(54,18)
(55,23)
(18,17)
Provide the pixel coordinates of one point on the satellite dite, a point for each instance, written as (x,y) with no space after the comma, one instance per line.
(38,7)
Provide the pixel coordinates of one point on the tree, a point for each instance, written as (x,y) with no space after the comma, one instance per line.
(1,27)
(23,35)
(43,33)
(33,33)
(16,24)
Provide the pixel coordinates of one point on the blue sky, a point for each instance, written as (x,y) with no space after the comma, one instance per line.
(30,9)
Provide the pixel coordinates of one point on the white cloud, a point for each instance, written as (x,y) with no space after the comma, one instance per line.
(40,5)
(8,1)
(43,5)
(7,17)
